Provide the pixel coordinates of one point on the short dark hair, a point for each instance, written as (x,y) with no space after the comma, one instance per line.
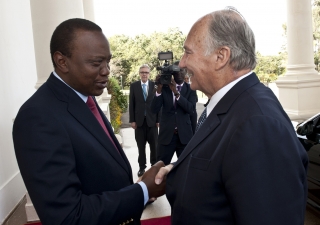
(64,35)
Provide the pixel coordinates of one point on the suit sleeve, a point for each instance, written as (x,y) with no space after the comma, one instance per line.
(46,160)
(131,105)
(156,104)
(264,173)
(188,104)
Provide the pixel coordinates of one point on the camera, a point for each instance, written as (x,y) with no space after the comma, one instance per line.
(166,69)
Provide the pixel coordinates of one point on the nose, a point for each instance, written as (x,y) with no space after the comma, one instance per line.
(105,70)
(182,63)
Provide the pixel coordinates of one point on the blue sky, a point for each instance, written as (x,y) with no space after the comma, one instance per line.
(133,17)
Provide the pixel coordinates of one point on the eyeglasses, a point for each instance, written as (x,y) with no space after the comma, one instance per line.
(231,8)
(144,72)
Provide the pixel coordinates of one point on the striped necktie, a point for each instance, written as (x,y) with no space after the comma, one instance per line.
(202,118)
(144,90)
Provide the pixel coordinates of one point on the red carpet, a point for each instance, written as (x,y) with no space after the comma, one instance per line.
(157,221)
(153,221)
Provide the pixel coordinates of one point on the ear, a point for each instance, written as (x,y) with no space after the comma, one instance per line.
(60,61)
(223,56)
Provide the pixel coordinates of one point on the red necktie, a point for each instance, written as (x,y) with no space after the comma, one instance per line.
(92,106)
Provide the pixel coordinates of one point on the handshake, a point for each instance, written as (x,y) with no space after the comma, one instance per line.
(155,179)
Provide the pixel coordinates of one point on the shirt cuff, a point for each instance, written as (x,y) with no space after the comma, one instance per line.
(158,94)
(145,191)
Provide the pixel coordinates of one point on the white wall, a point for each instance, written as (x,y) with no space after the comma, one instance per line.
(17,81)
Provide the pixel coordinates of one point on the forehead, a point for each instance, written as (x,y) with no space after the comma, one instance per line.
(197,35)
(91,42)
(144,69)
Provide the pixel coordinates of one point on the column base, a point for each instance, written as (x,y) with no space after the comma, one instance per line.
(299,95)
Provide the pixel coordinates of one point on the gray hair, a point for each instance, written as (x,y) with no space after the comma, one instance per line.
(228,27)
(144,66)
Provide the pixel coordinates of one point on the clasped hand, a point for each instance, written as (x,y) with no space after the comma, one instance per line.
(155,179)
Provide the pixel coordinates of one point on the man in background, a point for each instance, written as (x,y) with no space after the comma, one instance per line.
(245,164)
(193,116)
(177,101)
(70,160)
(143,121)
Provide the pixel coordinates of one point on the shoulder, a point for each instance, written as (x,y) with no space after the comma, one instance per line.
(151,83)
(135,84)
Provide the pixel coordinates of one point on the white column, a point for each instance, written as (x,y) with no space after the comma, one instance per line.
(88,8)
(299,89)
(46,16)
(17,77)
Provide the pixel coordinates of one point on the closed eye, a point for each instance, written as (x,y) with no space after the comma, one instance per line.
(96,63)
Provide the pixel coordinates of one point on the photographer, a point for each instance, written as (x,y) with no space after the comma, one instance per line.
(177,101)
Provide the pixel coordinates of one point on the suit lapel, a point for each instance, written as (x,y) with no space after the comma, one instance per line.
(139,86)
(81,112)
(184,89)
(150,89)
(213,120)
(206,129)
(114,138)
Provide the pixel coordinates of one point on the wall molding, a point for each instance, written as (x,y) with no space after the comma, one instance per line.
(11,193)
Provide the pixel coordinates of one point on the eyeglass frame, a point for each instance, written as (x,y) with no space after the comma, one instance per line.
(143,72)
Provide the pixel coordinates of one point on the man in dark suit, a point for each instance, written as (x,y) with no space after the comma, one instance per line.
(71,162)
(143,121)
(193,116)
(177,101)
(244,165)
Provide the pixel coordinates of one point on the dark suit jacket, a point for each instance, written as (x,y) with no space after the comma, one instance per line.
(138,106)
(194,117)
(172,117)
(72,171)
(244,165)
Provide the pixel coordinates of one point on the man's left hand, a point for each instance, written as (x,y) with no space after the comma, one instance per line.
(173,86)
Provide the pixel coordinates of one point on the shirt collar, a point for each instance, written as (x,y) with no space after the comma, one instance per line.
(222,92)
(146,83)
(179,84)
(83,97)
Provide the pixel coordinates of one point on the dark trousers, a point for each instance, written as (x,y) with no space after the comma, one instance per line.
(165,152)
(143,135)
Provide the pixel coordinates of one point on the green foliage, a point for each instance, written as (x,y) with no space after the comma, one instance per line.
(130,53)
(316,31)
(267,78)
(270,67)
(118,103)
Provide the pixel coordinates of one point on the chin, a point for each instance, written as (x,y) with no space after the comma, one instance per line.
(193,86)
(98,92)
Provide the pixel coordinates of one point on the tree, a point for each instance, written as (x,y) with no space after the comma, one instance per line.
(130,53)
(270,67)
(118,104)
